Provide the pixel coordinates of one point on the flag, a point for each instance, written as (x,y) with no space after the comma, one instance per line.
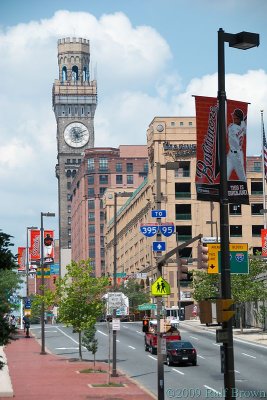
(264,152)
(22,258)
(264,242)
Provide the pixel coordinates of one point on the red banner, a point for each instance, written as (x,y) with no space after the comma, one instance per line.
(208,160)
(35,245)
(264,242)
(48,246)
(22,258)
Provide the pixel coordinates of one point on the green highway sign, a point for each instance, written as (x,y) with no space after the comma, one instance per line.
(147,306)
(238,258)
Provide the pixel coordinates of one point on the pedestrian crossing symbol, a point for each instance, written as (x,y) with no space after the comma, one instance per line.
(160,287)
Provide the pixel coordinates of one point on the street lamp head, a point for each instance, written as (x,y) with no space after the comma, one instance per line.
(244,40)
(32,227)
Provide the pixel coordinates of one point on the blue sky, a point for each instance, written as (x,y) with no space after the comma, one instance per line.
(148,56)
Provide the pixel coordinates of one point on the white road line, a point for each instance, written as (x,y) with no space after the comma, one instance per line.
(131,347)
(193,337)
(237,371)
(153,358)
(201,357)
(210,388)
(117,340)
(67,348)
(139,332)
(51,331)
(178,372)
(216,344)
(102,333)
(248,355)
(68,336)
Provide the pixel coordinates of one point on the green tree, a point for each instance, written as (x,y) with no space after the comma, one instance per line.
(89,340)
(245,288)
(79,297)
(9,283)
(135,292)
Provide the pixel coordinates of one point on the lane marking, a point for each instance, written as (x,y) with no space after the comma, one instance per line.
(216,344)
(67,348)
(248,355)
(102,333)
(210,388)
(178,372)
(237,371)
(153,358)
(201,357)
(117,340)
(193,337)
(132,347)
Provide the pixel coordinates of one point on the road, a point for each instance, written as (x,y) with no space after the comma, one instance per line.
(203,381)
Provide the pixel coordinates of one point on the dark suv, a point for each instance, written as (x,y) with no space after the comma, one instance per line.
(180,352)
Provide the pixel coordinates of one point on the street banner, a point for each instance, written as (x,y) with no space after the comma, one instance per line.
(208,160)
(22,258)
(35,246)
(264,242)
(48,247)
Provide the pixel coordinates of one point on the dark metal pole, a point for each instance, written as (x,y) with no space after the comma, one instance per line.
(114,335)
(42,289)
(159,298)
(228,351)
(27,264)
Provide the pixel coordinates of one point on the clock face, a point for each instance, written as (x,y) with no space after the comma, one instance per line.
(76,134)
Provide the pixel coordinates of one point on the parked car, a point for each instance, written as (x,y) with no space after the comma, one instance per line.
(180,352)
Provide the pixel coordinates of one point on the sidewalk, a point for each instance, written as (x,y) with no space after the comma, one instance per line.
(254,335)
(51,377)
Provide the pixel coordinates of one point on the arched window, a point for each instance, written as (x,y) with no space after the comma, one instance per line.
(74,73)
(64,74)
(85,74)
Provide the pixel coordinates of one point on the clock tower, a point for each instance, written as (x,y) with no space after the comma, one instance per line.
(74,104)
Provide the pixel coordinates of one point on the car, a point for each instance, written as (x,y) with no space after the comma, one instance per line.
(180,352)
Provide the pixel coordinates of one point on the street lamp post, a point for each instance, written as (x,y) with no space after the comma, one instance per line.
(48,214)
(29,228)
(114,335)
(242,40)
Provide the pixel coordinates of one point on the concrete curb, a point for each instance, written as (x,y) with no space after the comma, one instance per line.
(6,389)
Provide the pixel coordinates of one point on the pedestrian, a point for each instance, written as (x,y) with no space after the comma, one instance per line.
(27,324)
(236,136)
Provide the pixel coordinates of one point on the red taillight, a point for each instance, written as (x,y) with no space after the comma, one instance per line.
(173,352)
(193,351)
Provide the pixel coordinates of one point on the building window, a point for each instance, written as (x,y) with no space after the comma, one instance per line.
(91,240)
(103,179)
(69,244)
(256,230)
(91,192)
(68,173)
(118,167)
(236,230)
(69,232)
(102,190)
(183,190)
(129,167)
(256,209)
(119,180)
(172,123)
(101,228)
(69,197)
(103,164)
(91,216)
(181,124)
(92,253)
(129,179)
(68,185)
(69,209)
(256,188)
(183,211)
(102,216)
(69,220)
(235,209)
(257,166)
(146,167)
(91,204)
(91,164)
(91,229)
(91,179)
(190,123)
(183,171)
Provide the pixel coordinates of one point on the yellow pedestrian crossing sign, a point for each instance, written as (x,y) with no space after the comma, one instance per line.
(160,287)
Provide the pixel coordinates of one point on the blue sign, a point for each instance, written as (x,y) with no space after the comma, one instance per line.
(167,229)
(149,230)
(28,304)
(159,246)
(54,269)
(158,213)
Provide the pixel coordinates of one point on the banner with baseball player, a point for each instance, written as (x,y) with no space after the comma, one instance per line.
(22,258)
(264,242)
(48,247)
(35,246)
(208,161)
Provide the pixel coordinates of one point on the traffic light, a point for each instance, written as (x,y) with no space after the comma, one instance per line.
(205,312)
(182,269)
(222,310)
(202,256)
(145,325)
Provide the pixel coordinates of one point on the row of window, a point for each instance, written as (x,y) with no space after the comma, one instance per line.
(103,165)
(103,180)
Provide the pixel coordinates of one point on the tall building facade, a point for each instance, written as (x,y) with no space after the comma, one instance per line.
(116,169)
(74,105)
(172,139)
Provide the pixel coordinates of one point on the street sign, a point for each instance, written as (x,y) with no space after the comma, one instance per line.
(28,304)
(116,324)
(167,229)
(221,336)
(160,287)
(238,258)
(149,229)
(147,306)
(159,246)
(158,213)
